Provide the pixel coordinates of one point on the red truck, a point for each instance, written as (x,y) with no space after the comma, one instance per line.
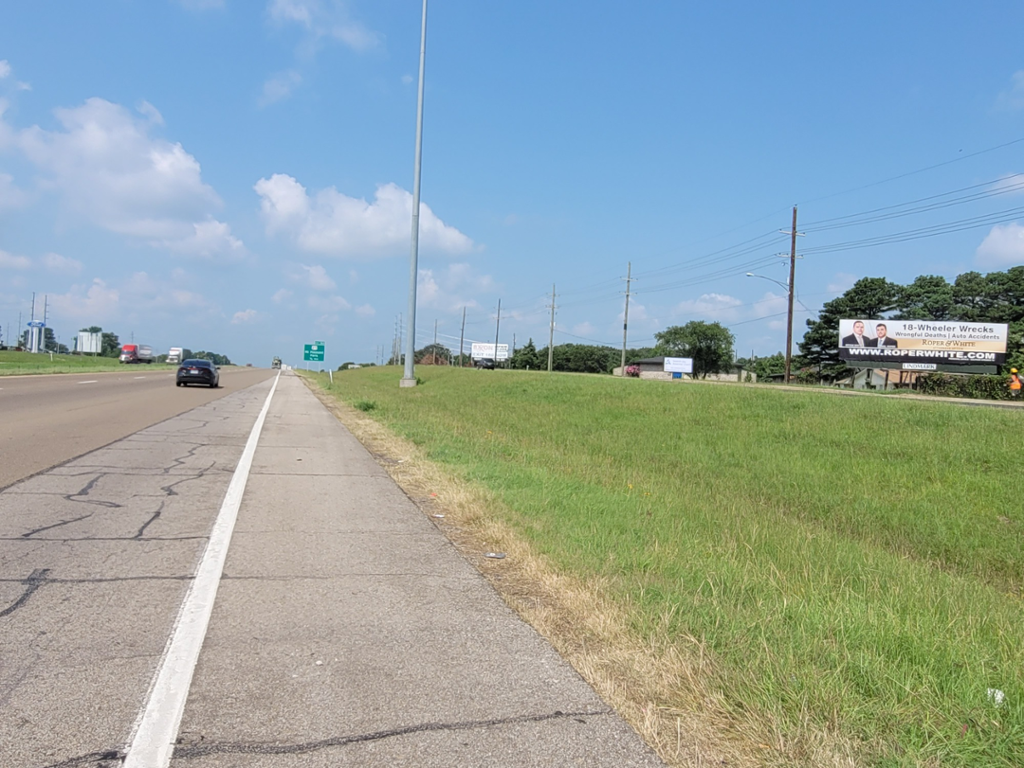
(136,353)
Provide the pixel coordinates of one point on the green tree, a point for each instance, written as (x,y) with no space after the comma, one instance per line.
(526,357)
(213,357)
(709,345)
(110,345)
(929,297)
(869,298)
(763,367)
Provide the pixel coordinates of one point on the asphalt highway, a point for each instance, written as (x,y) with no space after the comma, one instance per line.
(47,420)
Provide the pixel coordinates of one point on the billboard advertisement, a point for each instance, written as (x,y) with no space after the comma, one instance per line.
(481,350)
(921,345)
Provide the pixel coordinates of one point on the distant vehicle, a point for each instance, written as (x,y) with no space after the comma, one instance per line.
(197,372)
(276,363)
(136,353)
(486,363)
(174,356)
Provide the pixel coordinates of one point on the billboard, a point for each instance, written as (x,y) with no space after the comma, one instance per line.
(678,365)
(90,343)
(921,345)
(481,350)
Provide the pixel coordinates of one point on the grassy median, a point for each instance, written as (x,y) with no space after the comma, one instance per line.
(21,363)
(841,577)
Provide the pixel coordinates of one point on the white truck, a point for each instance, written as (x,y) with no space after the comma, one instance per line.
(174,356)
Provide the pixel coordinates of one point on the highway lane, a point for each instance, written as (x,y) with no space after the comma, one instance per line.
(95,558)
(47,420)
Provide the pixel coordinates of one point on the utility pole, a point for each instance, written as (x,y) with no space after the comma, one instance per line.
(462,335)
(792,276)
(625,318)
(551,331)
(513,345)
(497,327)
(435,331)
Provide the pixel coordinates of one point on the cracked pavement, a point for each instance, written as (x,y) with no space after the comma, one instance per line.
(347,629)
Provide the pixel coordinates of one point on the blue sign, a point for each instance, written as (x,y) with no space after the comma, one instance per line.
(37,324)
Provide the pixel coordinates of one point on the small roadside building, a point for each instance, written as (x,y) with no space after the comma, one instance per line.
(654,368)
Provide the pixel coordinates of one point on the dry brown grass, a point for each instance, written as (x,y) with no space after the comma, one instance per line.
(660,687)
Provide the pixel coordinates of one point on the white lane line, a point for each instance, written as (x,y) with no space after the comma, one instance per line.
(157,727)
(92,381)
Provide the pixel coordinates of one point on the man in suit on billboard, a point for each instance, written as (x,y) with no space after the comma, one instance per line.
(882,338)
(857,338)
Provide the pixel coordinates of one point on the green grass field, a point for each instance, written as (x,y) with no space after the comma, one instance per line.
(20,363)
(852,565)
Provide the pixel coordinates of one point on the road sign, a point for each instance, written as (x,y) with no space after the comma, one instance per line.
(313,353)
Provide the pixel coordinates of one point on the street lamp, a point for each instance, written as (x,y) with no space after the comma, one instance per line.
(789,320)
(409,379)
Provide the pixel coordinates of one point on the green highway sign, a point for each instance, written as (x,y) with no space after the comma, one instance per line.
(314,353)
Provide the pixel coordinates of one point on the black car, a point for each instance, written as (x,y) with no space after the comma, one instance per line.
(197,372)
(485,362)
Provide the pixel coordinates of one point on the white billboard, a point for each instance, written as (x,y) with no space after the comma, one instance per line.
(679,365)
(90,343)
(481,350)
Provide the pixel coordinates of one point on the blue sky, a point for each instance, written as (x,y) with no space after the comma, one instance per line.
(236,176)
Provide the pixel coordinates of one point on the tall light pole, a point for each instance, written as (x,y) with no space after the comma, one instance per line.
(409,379)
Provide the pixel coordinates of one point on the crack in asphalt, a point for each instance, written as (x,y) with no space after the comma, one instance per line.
(87,489)
(35,580)
(151,520)
(56,525)
(95,759)
(243,748)
(101,580)
(104,538)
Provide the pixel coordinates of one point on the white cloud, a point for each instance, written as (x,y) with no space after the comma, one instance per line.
(10,261)
(324,21)
(280,87)
(407,80)
(281,296)
(143,291)
(1002,247)
(61,265)
(313,277)
(90,304)
(300,11)
(366,311)
(584,329)
(208,240)
(1013,98)
(336,224)
(329,304)
(112,173)
(715,306)
(151,113)
(246,316)
(841,283)
(6,71)
(770,304)
(10,195)
(455,287)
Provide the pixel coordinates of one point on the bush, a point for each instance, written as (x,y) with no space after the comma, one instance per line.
(977,387)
